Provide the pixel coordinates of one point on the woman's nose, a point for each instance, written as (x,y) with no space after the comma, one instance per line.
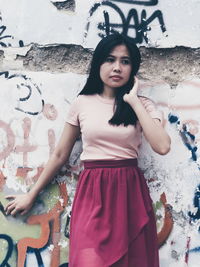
(117,67)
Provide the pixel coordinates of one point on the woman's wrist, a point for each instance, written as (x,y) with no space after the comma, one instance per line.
(133,101)
(32,194)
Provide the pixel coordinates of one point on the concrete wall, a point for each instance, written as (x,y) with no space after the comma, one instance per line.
(45,50)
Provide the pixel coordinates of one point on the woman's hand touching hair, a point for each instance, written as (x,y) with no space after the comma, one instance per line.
(132,95)
(152,128)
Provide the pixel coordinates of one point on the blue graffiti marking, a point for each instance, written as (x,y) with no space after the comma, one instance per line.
(197,249)
(196,203)
(172,118)
(37,255)
(67,232)
(8,239)
(187,138)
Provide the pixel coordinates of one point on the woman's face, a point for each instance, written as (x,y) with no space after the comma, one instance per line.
(116,69)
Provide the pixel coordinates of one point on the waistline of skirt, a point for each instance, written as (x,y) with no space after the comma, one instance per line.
(110,163)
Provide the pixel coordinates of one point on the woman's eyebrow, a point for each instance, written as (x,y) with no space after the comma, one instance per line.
(127,57)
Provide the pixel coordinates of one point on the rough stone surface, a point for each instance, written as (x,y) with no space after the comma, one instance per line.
(169,64)
(65,5)
(58,58)
(1,56)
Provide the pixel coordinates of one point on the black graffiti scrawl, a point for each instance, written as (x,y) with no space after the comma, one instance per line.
(6,39)
(139,23)
(32,93)
(9,242)
(139,2)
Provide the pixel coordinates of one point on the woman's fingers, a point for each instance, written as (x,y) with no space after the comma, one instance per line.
(18,204)
(10,208)
(9,204)
(23,212)
(10,196)
(14,211)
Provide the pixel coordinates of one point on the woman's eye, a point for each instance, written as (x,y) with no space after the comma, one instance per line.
(125,61)
(109,59)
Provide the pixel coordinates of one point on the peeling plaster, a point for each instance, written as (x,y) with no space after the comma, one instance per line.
(169,64)
(10,58)
(1,56)
(57,58)
(68,5)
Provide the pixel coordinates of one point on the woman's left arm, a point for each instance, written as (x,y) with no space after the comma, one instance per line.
(152,128)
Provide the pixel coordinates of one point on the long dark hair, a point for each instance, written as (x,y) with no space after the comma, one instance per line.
(123,113)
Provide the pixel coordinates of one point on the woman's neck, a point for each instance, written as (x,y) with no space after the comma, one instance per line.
(108,93)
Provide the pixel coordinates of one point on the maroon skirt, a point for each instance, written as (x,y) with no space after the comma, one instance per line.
(112,222)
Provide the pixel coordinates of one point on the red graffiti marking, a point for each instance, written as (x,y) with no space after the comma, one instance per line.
(51,140)
(50,112)
(178,107)
(2,180)
(10,139)
(44,219)
(168,222)
(26,147)
(187,251)
(23,173)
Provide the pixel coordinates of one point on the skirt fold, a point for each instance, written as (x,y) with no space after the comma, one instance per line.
(112,217)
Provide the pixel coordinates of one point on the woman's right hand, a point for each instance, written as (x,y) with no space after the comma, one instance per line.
(19,204)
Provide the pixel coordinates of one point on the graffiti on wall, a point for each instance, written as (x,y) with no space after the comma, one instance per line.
(50,219)
(50,235)
(136,24)
(33,107)
(183,118)
(6,39)
(187,137)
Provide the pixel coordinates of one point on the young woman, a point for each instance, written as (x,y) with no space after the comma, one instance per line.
(112,221)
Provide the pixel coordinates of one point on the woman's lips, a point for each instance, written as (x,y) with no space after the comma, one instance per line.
(116,78)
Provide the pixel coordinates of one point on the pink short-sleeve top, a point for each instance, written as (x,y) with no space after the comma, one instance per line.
(101,140)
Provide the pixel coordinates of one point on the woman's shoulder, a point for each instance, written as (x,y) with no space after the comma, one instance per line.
(82,101)
(84,98)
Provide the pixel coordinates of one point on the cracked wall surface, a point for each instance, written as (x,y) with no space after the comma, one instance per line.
(44,62)
(59,58)
(68,5)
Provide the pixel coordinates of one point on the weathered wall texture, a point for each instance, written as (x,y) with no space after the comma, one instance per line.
(45,50)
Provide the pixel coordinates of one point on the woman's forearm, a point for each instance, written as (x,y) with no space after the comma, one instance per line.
(152,128)
(50,169)
(58,158)
(23,202)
